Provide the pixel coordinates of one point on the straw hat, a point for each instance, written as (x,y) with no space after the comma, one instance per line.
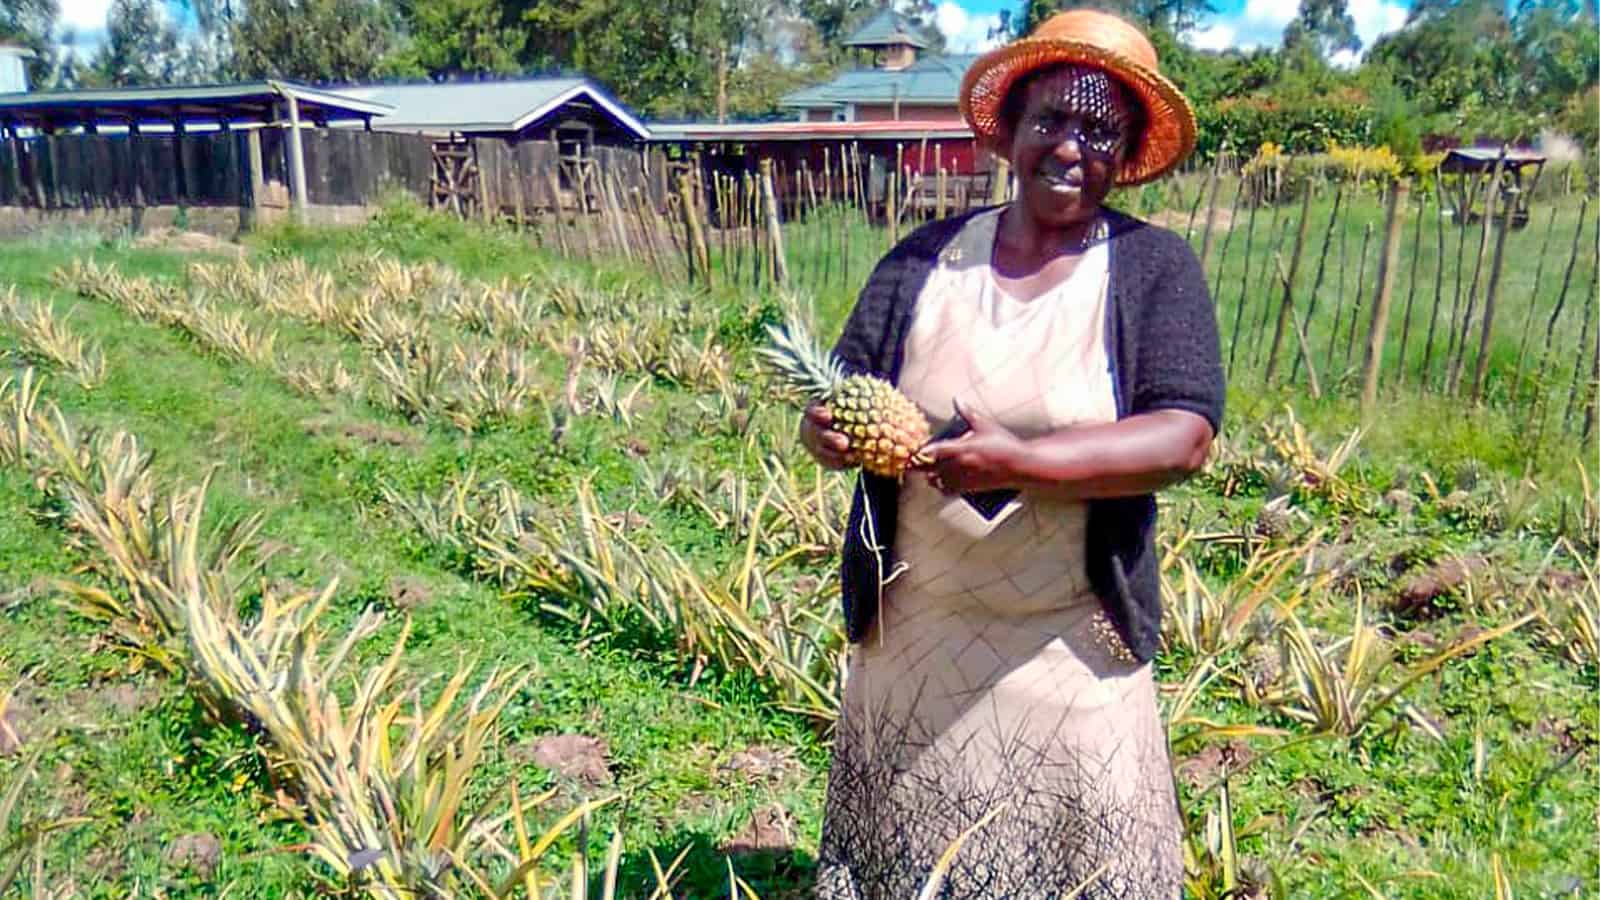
(1101,40)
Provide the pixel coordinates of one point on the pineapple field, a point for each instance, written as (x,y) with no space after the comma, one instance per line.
(416,560)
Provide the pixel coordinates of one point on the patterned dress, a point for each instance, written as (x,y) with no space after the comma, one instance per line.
(992,682)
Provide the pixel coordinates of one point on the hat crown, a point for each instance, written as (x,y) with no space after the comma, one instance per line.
(1102,30)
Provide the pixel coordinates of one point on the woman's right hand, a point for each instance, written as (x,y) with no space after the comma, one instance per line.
(830,448)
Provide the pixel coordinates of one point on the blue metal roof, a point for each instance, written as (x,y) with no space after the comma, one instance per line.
(930,80)
(887,28)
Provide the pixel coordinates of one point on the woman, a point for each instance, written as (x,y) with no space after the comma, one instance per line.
(1003,603)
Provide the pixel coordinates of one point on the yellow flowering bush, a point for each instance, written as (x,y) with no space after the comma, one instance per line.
(1363,163)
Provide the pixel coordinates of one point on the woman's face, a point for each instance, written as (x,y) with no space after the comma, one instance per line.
(1068,143)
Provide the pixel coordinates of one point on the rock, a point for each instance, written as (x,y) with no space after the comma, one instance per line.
(770,829)
(576,756)
(200,853)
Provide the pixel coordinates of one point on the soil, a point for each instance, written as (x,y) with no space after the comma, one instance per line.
(199,852)
(372,434)
(186,242)
(407,593)
(1418,597)
(575,756)
(770,828)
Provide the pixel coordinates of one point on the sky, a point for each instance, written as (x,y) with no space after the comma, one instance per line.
(966,23)
(1238,23)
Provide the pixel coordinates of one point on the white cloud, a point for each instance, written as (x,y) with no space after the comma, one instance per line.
(1261,24)
(84,15)
(963,31)
(1213,37)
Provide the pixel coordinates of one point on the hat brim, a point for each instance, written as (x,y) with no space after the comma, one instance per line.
(1169,134)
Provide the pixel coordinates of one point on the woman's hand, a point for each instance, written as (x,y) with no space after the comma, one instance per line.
(830,448)
(985,458)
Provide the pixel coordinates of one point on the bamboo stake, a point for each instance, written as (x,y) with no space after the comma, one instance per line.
(1278,240)
(555,208)
(1455,303)
(1233,213)
(1438,289)
(1578,362)
(1491,293)
(1211,211)
(1244,283)
(1288,287)
(1533,300)
(780,265)
(1299,331)
(1380,304)
(1361,284)
(1561,299)
(1491,197)
(1316,281)
(1411,294)
(699,258)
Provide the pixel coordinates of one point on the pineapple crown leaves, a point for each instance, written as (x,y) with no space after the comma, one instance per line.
(794,355)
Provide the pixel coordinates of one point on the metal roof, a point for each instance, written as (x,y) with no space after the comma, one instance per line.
(931,80)
(886,28)
(241,103)
(468,107)
(754,132)
(1484,159)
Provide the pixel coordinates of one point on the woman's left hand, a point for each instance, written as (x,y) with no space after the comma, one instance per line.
(984,458)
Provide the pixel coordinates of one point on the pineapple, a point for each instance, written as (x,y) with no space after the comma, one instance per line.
(886,430)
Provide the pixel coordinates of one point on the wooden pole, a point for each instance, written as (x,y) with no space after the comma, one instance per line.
(1438,287)
(297,161)
(1211,212)
(1285,309)
(1244,285)
(1316,281)
(1561,299)
(1493,194)
(136,158)
(1491,292)
(1361,286)
(1380,305)
(1579,364)
(1233,212)
(258,181)
(554,184)
(1277,238)
(780,264)
(700,261)
(1411,294)
(1533,298)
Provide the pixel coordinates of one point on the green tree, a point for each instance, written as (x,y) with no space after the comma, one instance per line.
(1177,16)
(312,40)
(32,23)
(141,47)
(452,37)
(1325,26)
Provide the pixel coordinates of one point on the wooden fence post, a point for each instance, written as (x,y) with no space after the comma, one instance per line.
(1288,286)
(1490,294)
(699,256)
(136,157)
(780,265)
(1380,306)
(250,211)
(297,162)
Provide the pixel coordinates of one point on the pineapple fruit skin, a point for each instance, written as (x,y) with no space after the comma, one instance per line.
(886,430)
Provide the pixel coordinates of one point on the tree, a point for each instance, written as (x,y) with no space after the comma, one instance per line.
(1324,26)
(454,37)
(312,40)
(141,47)
(1177,16)
(32,23)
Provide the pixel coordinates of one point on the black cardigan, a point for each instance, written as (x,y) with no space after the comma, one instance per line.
(1162,336)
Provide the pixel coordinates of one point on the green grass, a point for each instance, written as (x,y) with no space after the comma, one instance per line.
(1413,816)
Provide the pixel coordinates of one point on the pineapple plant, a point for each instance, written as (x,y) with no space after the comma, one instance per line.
(886,430)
